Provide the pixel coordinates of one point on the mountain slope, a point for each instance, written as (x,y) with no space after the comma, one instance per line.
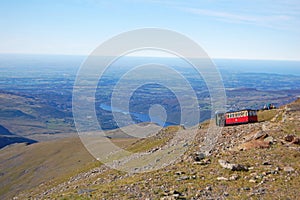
(269,152)
(24,167)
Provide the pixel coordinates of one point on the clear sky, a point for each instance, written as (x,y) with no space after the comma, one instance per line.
(251,29)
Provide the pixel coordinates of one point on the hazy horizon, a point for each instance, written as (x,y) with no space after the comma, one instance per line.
(291,67)
(262,29)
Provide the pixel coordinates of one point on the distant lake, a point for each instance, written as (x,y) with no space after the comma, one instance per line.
(139,116)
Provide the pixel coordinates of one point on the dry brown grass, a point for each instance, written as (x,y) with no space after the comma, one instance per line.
(24,167)
(112,184)
(266,115)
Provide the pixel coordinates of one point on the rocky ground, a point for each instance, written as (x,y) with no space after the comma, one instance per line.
(251,161)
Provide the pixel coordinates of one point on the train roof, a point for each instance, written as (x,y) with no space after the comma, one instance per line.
(233,111)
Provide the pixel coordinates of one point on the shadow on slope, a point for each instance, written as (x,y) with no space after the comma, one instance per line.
(8,138)
(4,131)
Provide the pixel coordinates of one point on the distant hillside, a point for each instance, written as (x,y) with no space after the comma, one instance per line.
(27,116)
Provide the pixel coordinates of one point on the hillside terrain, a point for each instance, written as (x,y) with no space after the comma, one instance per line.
(24,166)
(258,161)
(31,118)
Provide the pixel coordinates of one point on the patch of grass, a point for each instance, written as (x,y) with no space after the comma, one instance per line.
(266,115)
(154,141)
(289,128)
(123,142)
(54,123)
(147,144)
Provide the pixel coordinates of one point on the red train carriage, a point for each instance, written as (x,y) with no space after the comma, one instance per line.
(236,117)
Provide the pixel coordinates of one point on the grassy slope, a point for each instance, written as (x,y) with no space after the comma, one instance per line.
(23,167)
(112,184)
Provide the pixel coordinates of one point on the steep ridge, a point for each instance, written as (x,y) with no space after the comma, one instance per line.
(259,160)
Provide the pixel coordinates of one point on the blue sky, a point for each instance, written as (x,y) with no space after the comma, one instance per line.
(256,29)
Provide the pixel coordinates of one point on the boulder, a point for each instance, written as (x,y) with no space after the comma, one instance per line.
(288,169)
(289,138)
(179,173)
(264,128)
(232,167)
(292,138)
(205,161)
(296,141)
(234,177)
(269,140)
(198,156)
(222,178)
(260,135)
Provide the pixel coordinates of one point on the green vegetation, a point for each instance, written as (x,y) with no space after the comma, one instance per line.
(147,144)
